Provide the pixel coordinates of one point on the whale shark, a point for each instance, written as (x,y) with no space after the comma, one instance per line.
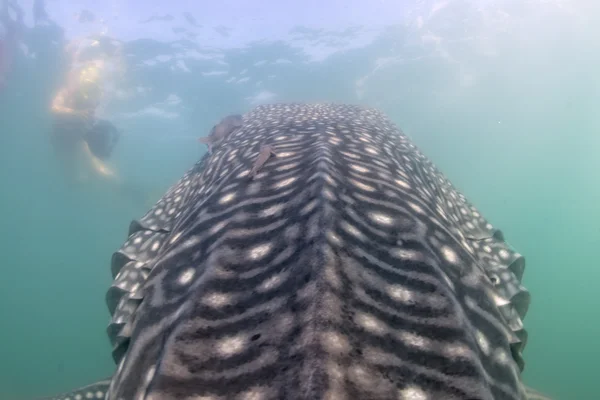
(315,253)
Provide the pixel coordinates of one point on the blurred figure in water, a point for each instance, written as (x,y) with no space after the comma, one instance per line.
(82,142)
(10,30)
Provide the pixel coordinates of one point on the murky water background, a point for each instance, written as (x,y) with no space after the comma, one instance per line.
(501,95)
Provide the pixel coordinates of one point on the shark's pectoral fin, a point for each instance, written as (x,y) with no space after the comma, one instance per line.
(96,390)
(533,394)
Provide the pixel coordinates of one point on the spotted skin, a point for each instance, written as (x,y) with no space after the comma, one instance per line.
(94,391)
(352,269)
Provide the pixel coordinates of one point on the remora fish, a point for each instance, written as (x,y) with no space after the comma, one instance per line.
(221,130)
(349,268)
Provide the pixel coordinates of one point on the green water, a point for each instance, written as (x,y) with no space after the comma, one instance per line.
(517,131)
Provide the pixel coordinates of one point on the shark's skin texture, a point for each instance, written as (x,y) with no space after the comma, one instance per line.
(348,268)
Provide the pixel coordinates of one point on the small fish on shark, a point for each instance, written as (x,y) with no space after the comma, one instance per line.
(352,269)
(266,151)
(220,131)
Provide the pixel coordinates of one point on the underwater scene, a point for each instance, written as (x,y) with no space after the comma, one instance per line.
(300,200)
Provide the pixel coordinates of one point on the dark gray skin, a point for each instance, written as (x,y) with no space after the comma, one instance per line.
(220,131)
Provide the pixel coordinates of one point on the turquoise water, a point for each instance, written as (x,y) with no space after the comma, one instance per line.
(507,111)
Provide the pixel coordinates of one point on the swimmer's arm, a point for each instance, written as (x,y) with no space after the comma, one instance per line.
(59,107)
(58,103)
